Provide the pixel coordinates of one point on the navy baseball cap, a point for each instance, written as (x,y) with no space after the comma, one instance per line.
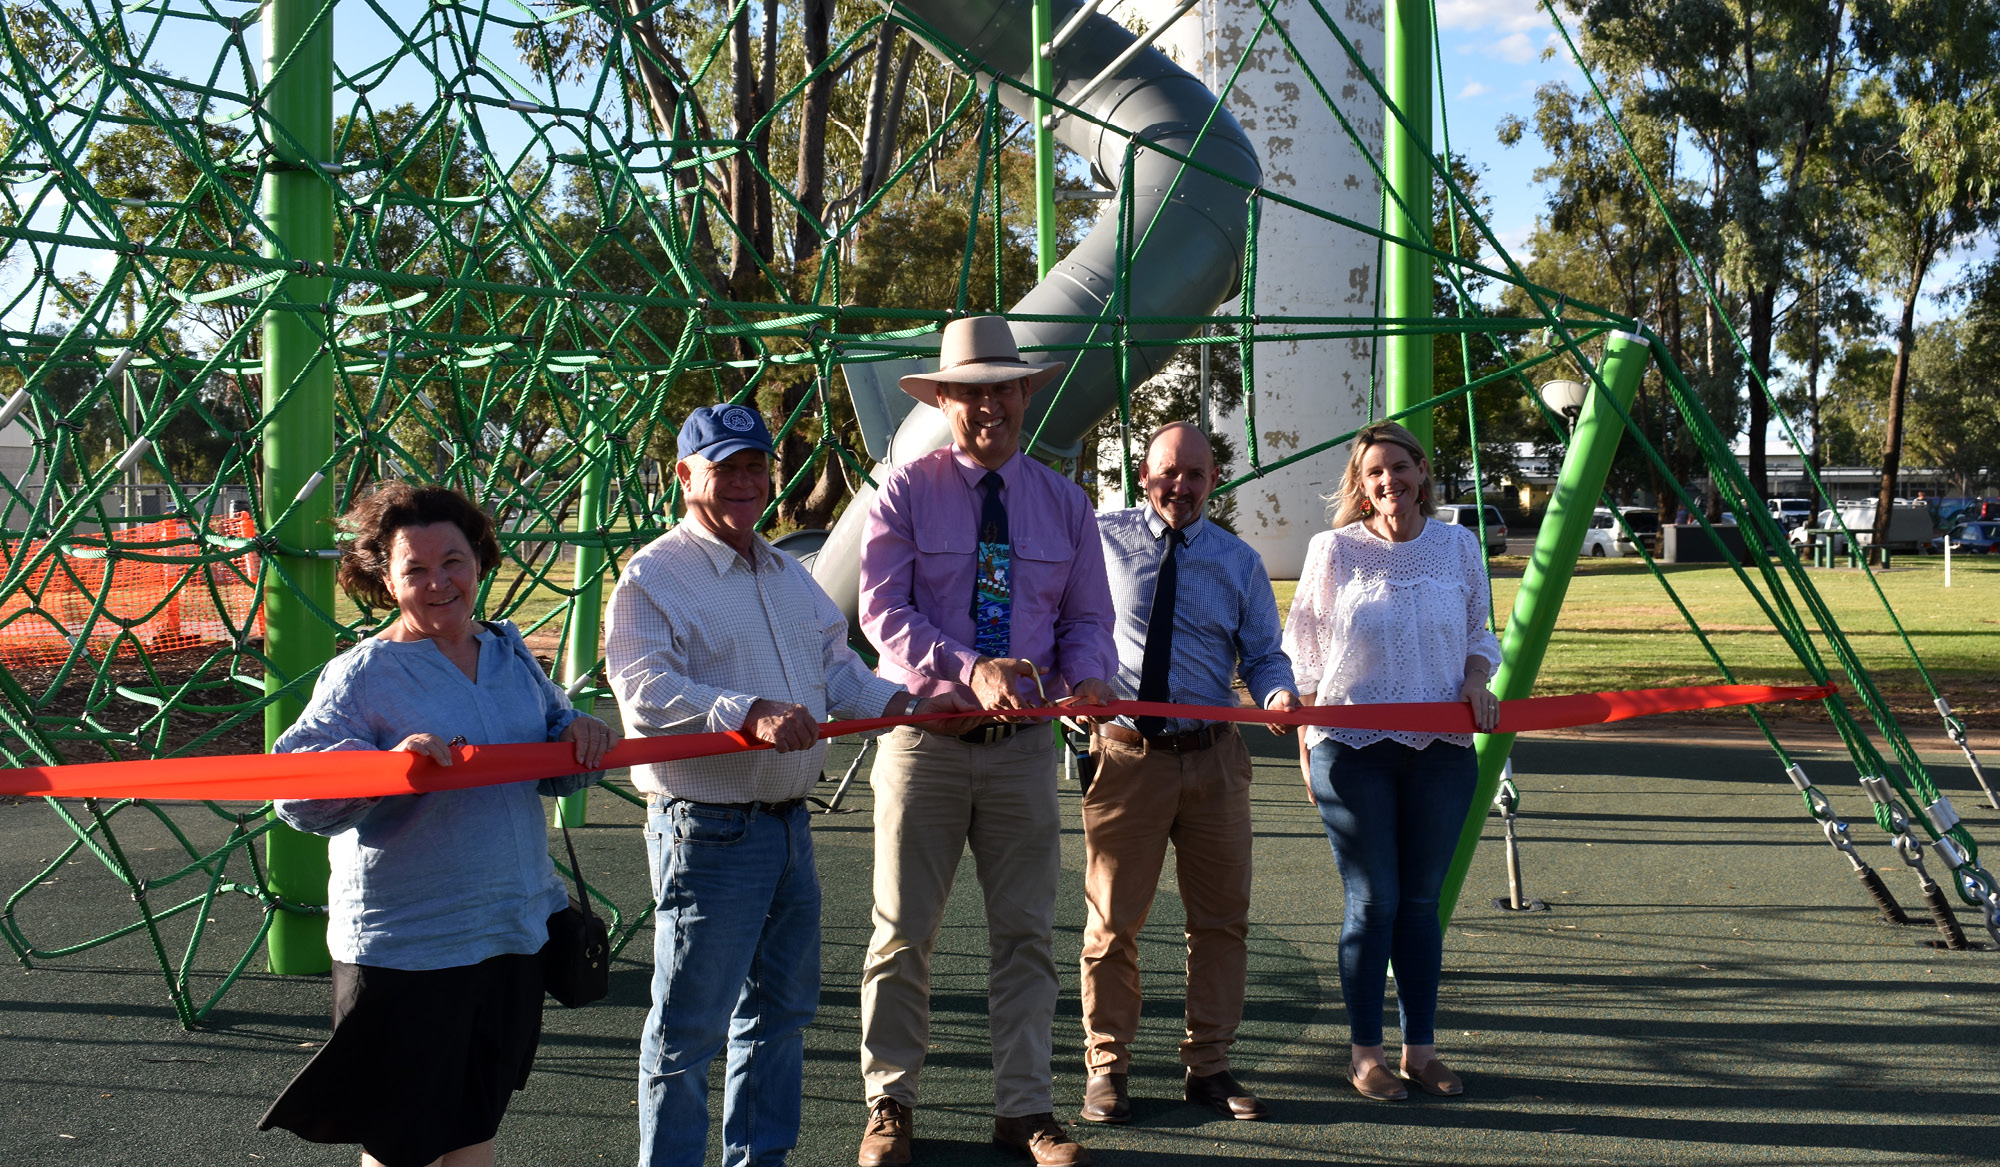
(717,431)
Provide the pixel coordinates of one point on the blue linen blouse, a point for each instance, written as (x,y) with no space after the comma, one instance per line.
(451,878)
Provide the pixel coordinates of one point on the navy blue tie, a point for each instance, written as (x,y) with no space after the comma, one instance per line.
(1158,660)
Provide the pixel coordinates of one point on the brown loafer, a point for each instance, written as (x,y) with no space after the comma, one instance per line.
(1434,1077)
(1378,1083)
(885,1142)
(1223,1094)
(1105,1099)
(1041,1138)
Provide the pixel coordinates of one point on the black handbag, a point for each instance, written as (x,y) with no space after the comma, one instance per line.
(576,965)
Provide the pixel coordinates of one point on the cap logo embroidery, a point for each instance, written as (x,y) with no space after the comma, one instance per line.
(738,418)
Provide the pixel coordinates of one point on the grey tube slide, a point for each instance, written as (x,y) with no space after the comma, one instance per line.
(1190,264)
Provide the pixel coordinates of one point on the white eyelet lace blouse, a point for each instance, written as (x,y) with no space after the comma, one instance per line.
(1375,621)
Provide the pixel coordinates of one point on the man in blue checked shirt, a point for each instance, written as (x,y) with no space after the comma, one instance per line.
(1193,607)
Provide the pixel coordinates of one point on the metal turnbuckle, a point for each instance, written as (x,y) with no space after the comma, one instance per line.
(1509,801)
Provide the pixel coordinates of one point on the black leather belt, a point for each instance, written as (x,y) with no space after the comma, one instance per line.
(987,735)
(775,809)
(1190,742)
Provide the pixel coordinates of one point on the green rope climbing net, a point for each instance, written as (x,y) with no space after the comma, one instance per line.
(534,273)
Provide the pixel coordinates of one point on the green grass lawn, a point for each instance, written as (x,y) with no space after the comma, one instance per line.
(1620,631)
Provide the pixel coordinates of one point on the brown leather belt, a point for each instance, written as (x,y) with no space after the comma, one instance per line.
(1177,743)
(774,809)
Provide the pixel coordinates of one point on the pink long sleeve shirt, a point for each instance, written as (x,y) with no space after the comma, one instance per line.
(917,563)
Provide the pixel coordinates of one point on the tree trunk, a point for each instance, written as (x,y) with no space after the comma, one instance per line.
(872,129)
(767,90)
(1762,321)
(1813,365)
(662,95)
(1899,379)
(887,145)
(814,105)
(742,176)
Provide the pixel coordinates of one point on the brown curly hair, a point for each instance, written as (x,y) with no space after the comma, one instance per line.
(374,519)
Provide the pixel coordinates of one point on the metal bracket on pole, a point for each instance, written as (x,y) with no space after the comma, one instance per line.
(1145,42)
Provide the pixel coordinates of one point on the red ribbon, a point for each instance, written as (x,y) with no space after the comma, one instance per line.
(373,773)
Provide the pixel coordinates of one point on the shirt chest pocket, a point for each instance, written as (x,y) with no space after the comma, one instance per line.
(946,540)
(1041,548)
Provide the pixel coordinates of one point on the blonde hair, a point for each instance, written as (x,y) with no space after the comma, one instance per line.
(1350,502)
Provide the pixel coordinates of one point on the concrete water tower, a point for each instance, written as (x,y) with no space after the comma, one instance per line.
(1307,391)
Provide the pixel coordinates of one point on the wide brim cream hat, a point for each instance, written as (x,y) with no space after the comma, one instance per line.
(979,350)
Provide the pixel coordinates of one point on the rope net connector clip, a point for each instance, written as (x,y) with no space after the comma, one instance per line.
(133,453)
(15,404)
(1942,815)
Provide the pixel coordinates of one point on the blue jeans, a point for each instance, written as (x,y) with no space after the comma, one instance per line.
(735,962)
(1393,815)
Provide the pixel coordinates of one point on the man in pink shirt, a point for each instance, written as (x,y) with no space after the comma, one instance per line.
(981,571)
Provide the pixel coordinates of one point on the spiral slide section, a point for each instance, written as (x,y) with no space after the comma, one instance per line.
(1195,235)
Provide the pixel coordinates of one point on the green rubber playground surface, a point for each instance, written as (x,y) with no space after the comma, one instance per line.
(1710,987)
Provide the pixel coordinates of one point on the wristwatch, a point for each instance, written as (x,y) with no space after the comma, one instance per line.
(910,704)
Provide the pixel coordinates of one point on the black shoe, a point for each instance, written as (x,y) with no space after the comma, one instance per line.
(1105,1099)
(1226,1096)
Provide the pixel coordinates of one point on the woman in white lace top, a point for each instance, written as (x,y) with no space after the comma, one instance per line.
(1392,607)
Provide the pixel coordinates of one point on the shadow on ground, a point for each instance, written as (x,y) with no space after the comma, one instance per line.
(1710,987)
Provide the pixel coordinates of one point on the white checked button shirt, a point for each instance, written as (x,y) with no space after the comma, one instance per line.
(695,635)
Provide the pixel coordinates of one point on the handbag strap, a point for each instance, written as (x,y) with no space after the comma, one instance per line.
(576,870)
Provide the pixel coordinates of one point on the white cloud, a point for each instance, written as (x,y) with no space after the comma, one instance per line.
(1505,15)
(1474,89)
(1517,240)
(1514,48)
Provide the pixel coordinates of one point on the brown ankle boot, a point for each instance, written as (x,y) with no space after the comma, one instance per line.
(885,1142)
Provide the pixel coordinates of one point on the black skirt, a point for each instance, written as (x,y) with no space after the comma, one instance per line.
(420,1063)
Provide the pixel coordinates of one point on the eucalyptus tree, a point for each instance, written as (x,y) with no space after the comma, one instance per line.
(1932,106)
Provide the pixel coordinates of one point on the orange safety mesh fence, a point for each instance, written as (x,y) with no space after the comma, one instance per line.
(160,585)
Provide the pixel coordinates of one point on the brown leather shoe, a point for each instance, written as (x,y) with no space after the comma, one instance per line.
(1223,1094)
(885,1142)
(1434,1077)
(1378,1083)
(1106,1100)
(1041,1138)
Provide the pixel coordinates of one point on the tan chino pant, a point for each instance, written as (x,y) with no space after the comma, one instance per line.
(1139,802)
(933,797)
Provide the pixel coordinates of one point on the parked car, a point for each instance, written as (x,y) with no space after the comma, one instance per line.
(1979,510)
(1606,537)
(1971,539)
(1910,526)
(1467,515)
(1790,513)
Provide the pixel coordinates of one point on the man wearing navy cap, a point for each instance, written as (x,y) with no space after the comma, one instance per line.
(705,633)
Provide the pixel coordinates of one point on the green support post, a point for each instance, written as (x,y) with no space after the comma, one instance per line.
(1042,25)
(1546,581)
(298,435)
(1408,373)
(586,613)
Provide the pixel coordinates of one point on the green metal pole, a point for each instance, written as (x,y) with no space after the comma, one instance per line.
(586,613)
(1406,159)
(1042,25)
(1546,581)
(298,435)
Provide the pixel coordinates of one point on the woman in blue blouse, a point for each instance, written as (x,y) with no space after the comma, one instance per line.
(439,903)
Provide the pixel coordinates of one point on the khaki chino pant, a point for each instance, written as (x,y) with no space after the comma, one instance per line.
(933,797)
(1139,802)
